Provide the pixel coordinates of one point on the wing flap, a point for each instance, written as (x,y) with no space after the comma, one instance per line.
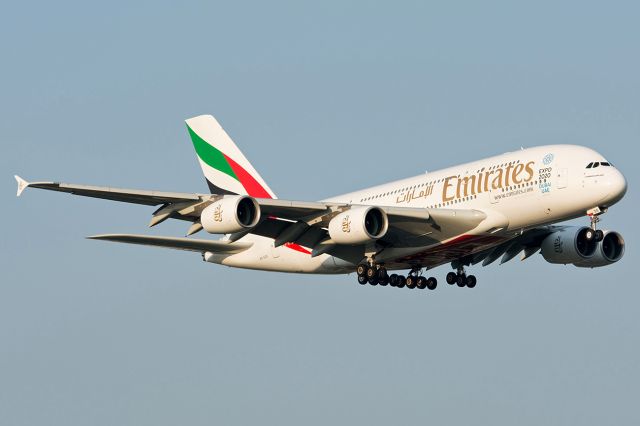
(292,210)
(189,244)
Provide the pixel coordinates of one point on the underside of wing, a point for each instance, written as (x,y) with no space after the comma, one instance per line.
(526,243)
(189,244)
(408,231)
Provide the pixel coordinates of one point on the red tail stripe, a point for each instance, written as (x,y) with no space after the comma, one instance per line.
(252,186)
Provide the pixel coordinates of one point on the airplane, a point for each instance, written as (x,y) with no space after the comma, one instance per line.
(497,207)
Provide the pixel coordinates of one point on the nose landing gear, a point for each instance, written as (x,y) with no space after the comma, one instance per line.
(594,234)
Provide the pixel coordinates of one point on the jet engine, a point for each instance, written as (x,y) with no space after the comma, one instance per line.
(232,213)
(358,225)
(569,245)
(610,250)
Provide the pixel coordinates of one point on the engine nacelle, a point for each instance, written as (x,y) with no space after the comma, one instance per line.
(232,213)
(359,225)
(569,245)
(610,250)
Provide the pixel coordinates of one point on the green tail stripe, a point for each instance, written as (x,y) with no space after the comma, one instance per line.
(211,155)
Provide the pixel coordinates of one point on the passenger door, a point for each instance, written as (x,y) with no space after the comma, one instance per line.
(562,178)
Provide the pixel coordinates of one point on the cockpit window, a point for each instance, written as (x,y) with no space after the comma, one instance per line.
(599,163)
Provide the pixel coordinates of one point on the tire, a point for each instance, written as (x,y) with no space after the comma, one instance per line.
(371,273)
(393,280)
(361,269)
(461,280)
(432,283)
(384,280)
(421,283)
(471,281)
(402,281)
(599,235)
(373,281)
(589,234)
(452,278)
(411,282)
(362,279)
(382,274)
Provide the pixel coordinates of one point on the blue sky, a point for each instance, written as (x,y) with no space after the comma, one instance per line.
(323,98)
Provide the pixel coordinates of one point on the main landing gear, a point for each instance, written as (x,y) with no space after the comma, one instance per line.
(461,278)
(377,274)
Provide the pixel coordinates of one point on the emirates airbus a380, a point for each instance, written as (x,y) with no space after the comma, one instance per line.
(493,208)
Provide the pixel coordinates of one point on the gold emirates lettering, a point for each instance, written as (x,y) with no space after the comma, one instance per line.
(411,195)
(458,187)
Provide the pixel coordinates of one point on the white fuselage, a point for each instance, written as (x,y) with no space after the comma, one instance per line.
(519,190)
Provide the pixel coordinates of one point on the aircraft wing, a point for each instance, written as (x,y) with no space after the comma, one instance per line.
(528,243)
(190,244)
(299,222)
(149,198)
(409,231)
(187,206)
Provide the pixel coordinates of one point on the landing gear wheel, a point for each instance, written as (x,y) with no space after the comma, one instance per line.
(452,278)
(384,280)
(393,280)
(411,282)
(371,273)
(599,235)
(421,283)
(402,281)
(361,269)
(382,276)
(589,234)
(461,280)
(432,283)
(471,281)
(362,279)
(373,281)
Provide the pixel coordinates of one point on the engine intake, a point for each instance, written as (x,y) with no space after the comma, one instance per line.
(569,245)
(359,225)
(232,213)
(612,246)
(610,250)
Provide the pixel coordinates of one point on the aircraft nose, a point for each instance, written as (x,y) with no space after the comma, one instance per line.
(617,185)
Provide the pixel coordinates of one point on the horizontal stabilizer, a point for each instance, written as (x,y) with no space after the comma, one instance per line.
(214,246)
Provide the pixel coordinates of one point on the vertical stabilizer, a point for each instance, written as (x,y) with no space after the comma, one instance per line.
(225,168)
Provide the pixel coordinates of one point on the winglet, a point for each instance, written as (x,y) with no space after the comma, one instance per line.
(22,184)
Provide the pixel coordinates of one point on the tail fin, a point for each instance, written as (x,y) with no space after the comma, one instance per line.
(225,168)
